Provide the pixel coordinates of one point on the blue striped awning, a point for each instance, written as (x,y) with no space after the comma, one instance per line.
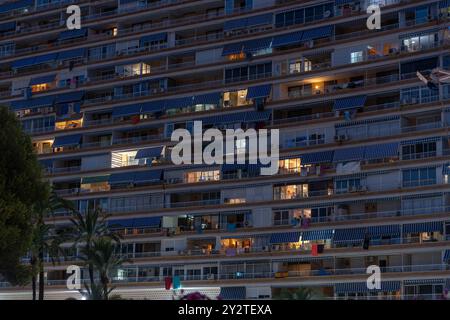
(208,98)
(381,151)
(287,39)
(349,154)
(378,231)
(43,79)
(70,54)
(121,178)
(147,222)
(67,140)
(433,226)
(26,62)
(352,287)
(423,281)
(249,167)
(147,176)
(317,235)
(262,19)
(232,48)
(69,97)
(349,103)
(446,257)
(120,224)
(317,157)
(423,140)
(125,111)
(261,91)
(284,237)
(233,293)
(254,21)
(153,106)
(153,38)
(33,103)
(9,26)
(257,44)
(237,117)
(317,33)
(444,4)
(342,2)
(355,234)
(10,6)
(235,24)
(361,122)
(46,58)
(180,102)
(257,116)
(152,152)
(72,34)
(446,168)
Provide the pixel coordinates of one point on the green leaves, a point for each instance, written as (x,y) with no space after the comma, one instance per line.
(21,187)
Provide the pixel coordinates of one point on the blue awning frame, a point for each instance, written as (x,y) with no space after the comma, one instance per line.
(152,152)
(260,91)
(44,79)
(64,141)
(284,237)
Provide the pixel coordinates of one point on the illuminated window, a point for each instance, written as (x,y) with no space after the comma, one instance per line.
(192,177)
(114,32)
(235,200)
(235,98)
(290,165)
(356,57)
(40,87)
(295,66)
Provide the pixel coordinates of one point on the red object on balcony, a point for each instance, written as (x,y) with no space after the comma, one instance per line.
(135,119)
(314,250)
(168,282)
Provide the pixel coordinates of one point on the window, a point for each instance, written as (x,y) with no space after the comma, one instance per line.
(419,177)
(246,73)
(198,176)
(348,185)
(321,214)
(356,57)
(281,217)
(290,192)
(290,165)
(295,66)
(419,150)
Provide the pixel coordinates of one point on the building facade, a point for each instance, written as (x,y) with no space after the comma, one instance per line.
(364,145)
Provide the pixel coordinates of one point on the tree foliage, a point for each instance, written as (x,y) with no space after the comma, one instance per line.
(21,187)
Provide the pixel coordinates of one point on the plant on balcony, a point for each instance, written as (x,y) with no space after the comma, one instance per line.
(21,187)
(296,294)
(87,228)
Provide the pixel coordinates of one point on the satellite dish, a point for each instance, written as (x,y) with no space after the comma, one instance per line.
(326,14)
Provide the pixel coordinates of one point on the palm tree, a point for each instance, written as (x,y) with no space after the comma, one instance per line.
(46,238)
(87,228)
(102,256)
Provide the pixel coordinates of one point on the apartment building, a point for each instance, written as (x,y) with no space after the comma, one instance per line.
(364,144)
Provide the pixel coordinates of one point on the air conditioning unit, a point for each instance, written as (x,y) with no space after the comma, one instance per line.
(210,276)
(342,137)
